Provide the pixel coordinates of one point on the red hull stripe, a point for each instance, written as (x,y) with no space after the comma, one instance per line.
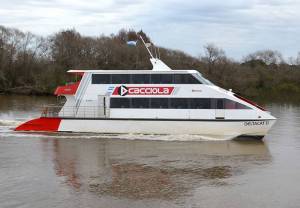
(40,124)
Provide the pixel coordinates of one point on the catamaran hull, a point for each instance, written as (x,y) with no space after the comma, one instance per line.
(215,129)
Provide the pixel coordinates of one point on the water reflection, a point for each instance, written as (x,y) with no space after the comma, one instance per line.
(152,169)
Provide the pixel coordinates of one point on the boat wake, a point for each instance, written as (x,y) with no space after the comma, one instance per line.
(113,136)
(9,123)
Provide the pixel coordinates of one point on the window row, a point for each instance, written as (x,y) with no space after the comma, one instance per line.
(144,79)
(176,103)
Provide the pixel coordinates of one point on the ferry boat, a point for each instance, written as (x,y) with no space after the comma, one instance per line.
(157,101)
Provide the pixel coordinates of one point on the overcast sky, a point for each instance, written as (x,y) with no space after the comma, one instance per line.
(238,26)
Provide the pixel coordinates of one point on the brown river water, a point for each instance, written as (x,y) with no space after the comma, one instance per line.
(93,170)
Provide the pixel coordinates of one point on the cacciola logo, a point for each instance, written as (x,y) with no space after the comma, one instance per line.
(123,90)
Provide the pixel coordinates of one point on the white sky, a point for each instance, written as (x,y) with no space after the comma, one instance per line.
(237,26)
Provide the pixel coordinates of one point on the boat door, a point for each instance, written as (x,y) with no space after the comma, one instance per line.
(103,106)
(220,111)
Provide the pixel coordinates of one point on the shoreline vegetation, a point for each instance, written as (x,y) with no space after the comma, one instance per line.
(36,65)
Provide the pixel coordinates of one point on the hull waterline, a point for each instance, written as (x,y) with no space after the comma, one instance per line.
(210,129)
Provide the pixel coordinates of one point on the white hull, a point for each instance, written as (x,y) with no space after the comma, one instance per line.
(164,102)
(208,129)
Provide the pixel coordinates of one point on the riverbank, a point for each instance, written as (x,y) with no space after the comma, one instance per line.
(25,91)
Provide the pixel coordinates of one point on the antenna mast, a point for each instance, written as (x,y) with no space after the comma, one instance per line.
(157,64)
(146,46)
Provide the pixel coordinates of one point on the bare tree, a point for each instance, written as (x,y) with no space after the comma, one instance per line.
(266,56)
(213,56)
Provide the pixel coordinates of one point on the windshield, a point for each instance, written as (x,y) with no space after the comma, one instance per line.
(202,79)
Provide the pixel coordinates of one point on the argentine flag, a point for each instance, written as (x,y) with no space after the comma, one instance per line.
(131,43)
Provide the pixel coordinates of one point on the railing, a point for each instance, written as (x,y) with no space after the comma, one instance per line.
(73,111)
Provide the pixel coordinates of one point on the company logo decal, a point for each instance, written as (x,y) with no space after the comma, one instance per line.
(123,90)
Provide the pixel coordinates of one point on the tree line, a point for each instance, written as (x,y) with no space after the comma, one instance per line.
(32,64)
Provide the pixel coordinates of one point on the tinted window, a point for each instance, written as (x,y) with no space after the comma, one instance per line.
(101,78)
(176,103)
(140,78)
(200,103)
(185,79)
(155,79)
(144,79)
(120,78)
(140,103)
(220,104)
(161,78)
(179,103)
(119,103)
(159,102)
(241,106)
(230,104)
(166,78)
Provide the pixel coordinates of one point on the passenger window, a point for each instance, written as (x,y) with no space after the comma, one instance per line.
(241,106)
(140,103)
(101,78)
(144,79)
(179,103)
(191,79)
(185,79)
(178,79)
(176,103)
(220,104)
(120,78)
(159,102)
(161,78)
(200,103)
(140,78)
(155,79)
(119,103)
(230,104)
(166,78)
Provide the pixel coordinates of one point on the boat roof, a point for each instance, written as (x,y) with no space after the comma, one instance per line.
(132,71)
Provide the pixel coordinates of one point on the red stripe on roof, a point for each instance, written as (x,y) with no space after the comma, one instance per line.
(250,102)
(67,90)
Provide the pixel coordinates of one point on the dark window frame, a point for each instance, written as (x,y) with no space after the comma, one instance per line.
(97,79)
(167,103)
(179,103)
(139,103)
(117,79)
(163,78)
(135,80)
(206,104)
